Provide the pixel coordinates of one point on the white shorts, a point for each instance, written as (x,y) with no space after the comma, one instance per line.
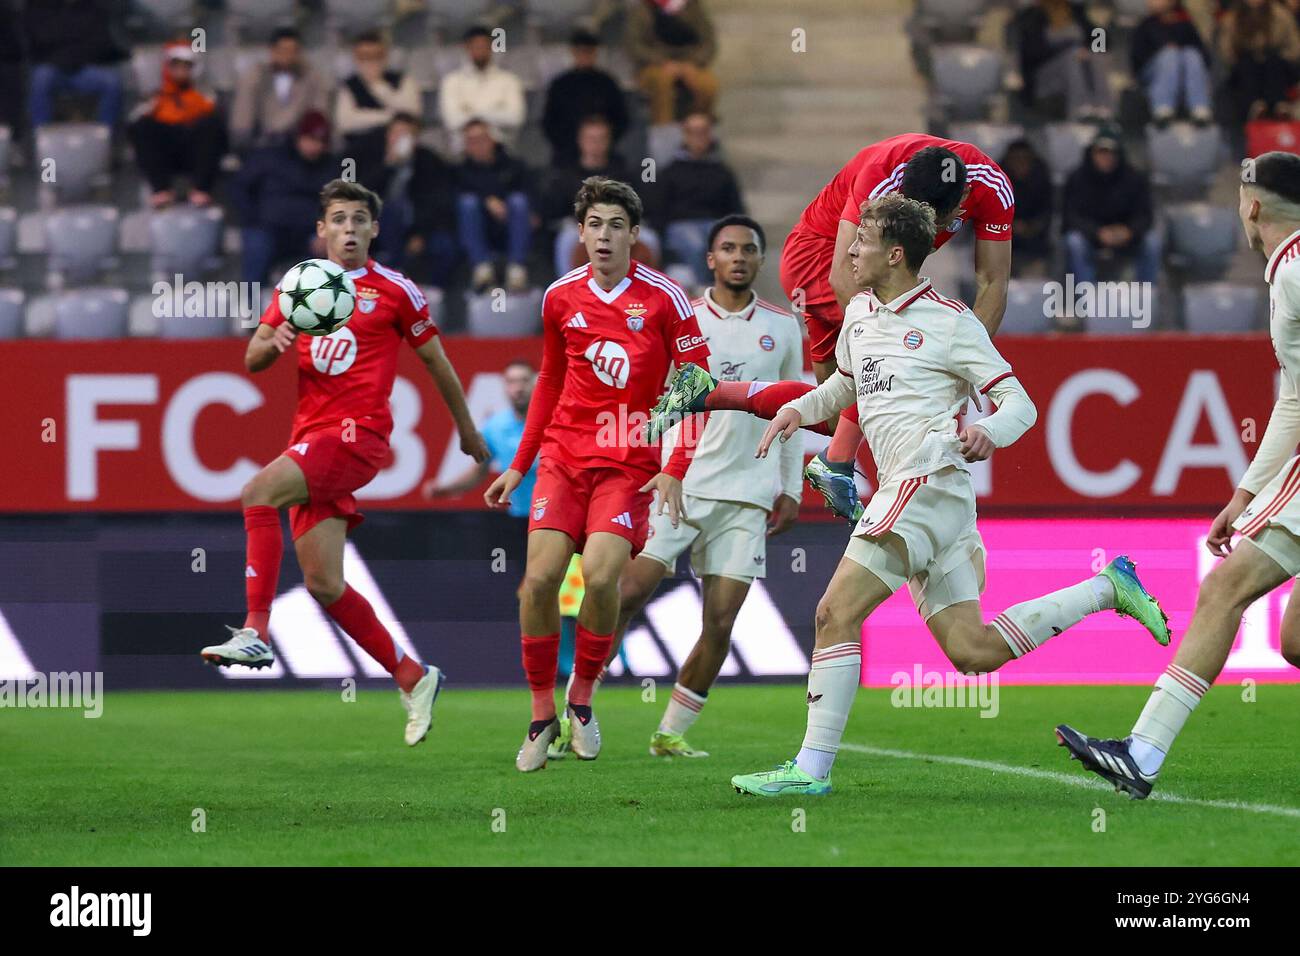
(1272,519)
(941,558)
(726,538)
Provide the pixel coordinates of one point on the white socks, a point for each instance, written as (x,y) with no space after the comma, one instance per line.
(683,707)
(1029,624)
(1176,694)
(832,685)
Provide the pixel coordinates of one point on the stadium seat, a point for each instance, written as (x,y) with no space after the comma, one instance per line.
(78,153)
(942,19)
(146,69)
(99,313)
(1184,157)
(191,326)
(1025,313)
(453,17)
(662,142)
(555,19)
(1064,144)
(965,78)
(1201,238)
(8,237)
(1223,307)
(519,318)
(990,138)
(257,18)
(1128,13)
(11,313)
(185,240)
(349,17)
(167,17)
(81,242)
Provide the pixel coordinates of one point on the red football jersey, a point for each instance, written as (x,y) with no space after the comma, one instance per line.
(878,169)
(349,373)
(605,360)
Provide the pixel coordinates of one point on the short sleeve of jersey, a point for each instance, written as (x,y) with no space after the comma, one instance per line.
(685,341)
(992,218)
(867,179)
(413,317)
(272,315)
(973,356)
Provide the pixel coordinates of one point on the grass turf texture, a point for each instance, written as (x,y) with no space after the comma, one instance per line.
(300,777)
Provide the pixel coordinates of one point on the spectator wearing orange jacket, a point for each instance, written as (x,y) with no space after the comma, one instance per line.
(178,133)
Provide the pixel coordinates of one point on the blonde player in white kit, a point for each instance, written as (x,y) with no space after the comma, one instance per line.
(733,501)
(1265,510)
(910,357)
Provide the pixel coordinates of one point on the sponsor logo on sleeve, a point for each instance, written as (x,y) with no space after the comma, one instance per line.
(687,342)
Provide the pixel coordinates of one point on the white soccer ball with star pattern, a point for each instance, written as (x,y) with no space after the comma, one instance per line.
(317,297)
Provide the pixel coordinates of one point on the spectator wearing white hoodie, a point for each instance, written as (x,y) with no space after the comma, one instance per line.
(481,90)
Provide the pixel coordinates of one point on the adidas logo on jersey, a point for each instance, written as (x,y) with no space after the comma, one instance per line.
(625,519)
(578,321)
(249,572)
(300,448)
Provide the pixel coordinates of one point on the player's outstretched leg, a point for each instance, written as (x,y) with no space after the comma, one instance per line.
(691,389)
(1255,567)
(242,647)
(835,481)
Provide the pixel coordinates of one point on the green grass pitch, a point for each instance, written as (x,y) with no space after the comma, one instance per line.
(302,777)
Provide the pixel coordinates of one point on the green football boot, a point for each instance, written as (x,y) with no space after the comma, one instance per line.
(687,389)
(786,778)
(1132,599)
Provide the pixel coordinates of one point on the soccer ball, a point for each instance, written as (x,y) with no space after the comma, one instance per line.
(317,297)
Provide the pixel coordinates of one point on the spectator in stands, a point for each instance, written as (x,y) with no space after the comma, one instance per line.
(1259,42)
(418,190)
(502,432)
(1107,213)
(72,48)
(696,188)
(672,42)
(370,98)
(1172,63)
(494,208)
(577,93)
(178,132)
(482,90)
(595,158)
(271,97)
(277,194)
(1056,59)
(1031,182)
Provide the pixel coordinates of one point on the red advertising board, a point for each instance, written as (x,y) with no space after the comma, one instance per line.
(1164,421)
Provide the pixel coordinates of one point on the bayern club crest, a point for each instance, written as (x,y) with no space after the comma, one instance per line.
(913,339)
(766,343)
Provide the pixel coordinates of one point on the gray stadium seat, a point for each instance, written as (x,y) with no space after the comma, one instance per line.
(11,313)
(168,15)
(965,78)
(520,317)
(352,16)
(556,18)
(1222,307)
(1025,313)
(1202,238)
(1064,144)
(185,240)
(99,313)
(990,138)
(1183,156)
(79,152)
(81,241)
(257,18)
(1129,12)
(146,68)
(8,237)
(454,16)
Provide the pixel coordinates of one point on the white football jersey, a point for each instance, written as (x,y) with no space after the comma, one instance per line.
(911,364)
(760,343)
(1278,444)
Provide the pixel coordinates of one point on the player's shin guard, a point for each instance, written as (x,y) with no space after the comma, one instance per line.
(1027,625)
(1176,694)
(760,399)
(832,685)
(590,651)
(353,613)
(265,549)
(848,436)
(541,655)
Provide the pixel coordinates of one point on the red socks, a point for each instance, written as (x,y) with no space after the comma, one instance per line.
(848,436)
(262,568)
(354,614)
(589,653)
(541,656)
(760,399)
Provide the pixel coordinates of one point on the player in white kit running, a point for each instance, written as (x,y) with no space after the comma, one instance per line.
(1265,509)
(909,357)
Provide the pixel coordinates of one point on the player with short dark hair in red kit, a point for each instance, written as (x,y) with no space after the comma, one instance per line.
(613,329)
(339,443)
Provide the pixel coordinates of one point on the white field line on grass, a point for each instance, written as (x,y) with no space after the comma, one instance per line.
(1088,782)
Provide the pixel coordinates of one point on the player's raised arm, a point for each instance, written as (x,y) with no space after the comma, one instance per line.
(842,282)
(992,279)
(453,394)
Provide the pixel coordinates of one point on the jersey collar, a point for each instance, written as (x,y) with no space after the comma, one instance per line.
(746,313)
(358,272)
(613,294)
(1275,259)
(901,302)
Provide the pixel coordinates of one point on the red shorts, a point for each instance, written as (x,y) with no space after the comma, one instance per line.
(335,468)
(580,501)
(805,277)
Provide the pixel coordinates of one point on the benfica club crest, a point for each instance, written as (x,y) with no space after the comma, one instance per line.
(539,508)
(367,299)
(635,317)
